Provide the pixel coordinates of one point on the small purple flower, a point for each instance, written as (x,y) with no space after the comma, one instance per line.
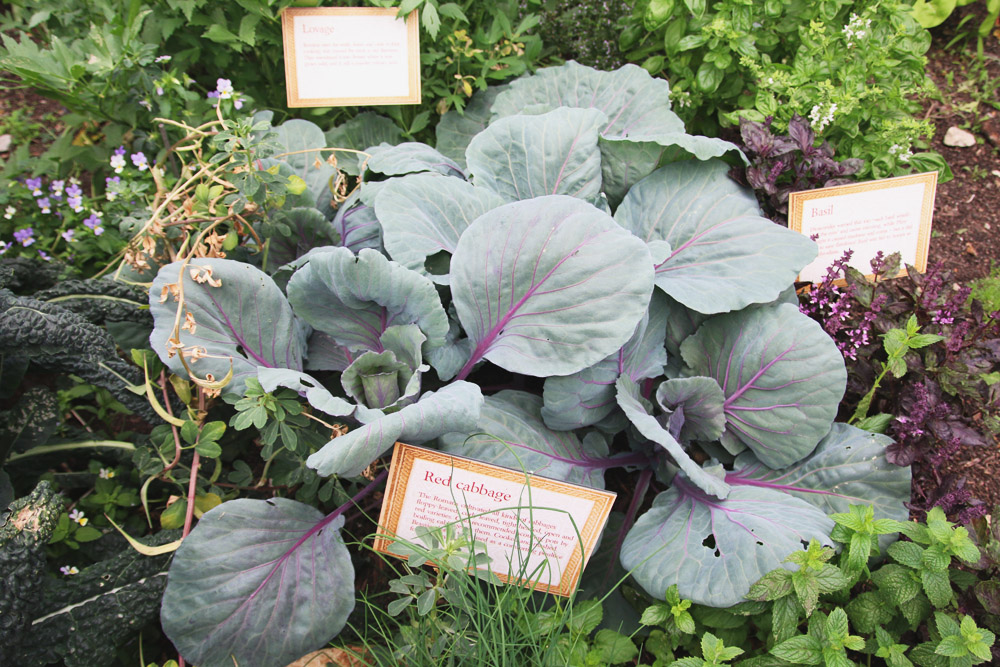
(140,161)
(159,90)
(35,185)
(44,255)
(4,247)
(69,570)
(74,190)
(147,104)
(57,187)
(238,102)
(75,203)
(25,236)
(45,205)
(68,235)
(162,59)
(94,223)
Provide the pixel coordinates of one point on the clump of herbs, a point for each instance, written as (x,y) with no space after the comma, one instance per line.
(940,393)
(782,164)
(584,32)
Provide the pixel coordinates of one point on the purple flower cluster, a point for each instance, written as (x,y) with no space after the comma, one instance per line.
(833,307)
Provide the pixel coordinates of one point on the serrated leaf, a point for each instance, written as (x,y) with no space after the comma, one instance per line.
(803,650)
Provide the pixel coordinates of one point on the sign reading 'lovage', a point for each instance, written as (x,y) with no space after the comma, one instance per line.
(529,524)
(340,56)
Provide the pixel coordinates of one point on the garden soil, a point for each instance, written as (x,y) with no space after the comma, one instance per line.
(966,229)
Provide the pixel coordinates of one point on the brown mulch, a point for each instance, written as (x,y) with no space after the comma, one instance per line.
(966,229)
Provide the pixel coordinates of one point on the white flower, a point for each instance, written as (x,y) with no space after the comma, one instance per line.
(818,119)
(69,570)
(9,212)
(77,515)
(118,163)
(104,473)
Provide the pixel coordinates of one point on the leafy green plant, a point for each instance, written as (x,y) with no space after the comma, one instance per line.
(931,13)
(850,67)
(412,340)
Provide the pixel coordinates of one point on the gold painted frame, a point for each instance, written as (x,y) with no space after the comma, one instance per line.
(797,201)
(403,458)
(288,16)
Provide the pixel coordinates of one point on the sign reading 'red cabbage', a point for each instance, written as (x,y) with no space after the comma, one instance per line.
(347,56)
(530,525)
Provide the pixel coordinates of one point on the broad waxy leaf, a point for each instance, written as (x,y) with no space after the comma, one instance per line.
(297,135)
(424,214)
(848,467)
(520,157)
(626,161)
(243,324)
(782,375)
(357,225)
(258,581)
(410,158)
(324,354)
(548,286)
(715,549)
(702,401)
(629,401)
(364,130)
(510,433)
(724,256)
(455,130)
(355,299)
(633,101)
(391,378)
(587,397)
(315,393)
(454,407)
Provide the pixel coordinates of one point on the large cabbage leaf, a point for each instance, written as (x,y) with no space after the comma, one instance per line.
(724,255)
(242,324)
(548,286)
(425,214)
(782,375)
(354,299)
(714,550)
(847,468)
(258,583)
(555,153)
(633,102)
(588,396)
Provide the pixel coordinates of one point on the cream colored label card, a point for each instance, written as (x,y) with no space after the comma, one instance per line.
(888,215)
(538,532)
(348,56)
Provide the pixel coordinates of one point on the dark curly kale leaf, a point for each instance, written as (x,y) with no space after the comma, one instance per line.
(21,274)
(24,534)
(100,301)
(56,339)
(30,423)
(81,620)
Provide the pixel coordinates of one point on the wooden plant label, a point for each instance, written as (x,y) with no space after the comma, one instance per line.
(350,56)
(888,215)
(531,525)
